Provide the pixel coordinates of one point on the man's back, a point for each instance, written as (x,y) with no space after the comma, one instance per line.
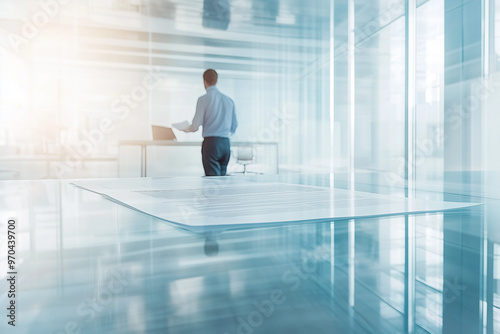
(216,113)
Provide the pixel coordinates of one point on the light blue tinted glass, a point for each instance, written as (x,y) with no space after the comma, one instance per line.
(327,86)
(429,93)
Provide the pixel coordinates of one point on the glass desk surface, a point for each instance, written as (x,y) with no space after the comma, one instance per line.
(88,265)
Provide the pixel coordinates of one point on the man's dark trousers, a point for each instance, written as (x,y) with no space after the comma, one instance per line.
(215,153)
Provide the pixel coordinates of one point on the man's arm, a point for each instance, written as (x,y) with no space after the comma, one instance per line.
(198,117)
(234,122)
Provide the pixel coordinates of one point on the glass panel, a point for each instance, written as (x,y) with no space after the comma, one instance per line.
(380,100)
(429,95)
(429,273)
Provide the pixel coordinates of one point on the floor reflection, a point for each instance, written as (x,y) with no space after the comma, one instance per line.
(92,266)
(211,246)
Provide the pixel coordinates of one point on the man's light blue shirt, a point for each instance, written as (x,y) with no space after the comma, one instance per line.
(216,113)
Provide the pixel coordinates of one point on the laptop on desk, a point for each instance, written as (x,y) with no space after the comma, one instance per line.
(163,133)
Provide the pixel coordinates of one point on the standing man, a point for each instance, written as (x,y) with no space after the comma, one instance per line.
(215,112)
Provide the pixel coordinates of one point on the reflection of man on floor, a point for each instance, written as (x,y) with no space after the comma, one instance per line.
(211,246)
(215,112)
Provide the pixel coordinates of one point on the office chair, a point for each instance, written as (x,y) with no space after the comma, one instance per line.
(245,156)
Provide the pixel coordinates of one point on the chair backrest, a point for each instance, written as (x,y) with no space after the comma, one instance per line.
(245,153)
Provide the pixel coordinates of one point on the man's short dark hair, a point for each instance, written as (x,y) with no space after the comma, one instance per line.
(210,77)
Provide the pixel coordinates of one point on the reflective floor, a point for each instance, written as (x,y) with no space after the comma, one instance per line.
(88,265)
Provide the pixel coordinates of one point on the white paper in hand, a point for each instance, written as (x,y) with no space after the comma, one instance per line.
(183,126)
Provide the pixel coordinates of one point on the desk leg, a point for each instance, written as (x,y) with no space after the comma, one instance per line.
(277,159)
(118,161)
(142,160)
(145,161)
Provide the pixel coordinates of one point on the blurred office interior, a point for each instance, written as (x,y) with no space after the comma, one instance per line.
(339,86)
(396,97)
(139,63)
